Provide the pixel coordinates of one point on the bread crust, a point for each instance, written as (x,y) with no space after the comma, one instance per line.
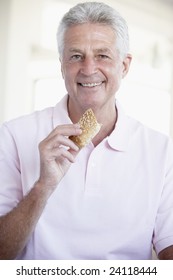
(90,127)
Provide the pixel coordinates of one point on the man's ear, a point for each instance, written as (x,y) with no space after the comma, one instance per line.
(126,64)
(62,72)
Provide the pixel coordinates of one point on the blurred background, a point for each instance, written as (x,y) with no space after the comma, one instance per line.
(30,76)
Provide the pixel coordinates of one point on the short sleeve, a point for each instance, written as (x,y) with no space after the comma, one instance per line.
(163,233)
(10,173)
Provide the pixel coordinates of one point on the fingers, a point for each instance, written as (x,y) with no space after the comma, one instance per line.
(61,153)
(57,152)
(59,137)
(57,143)
(66,130)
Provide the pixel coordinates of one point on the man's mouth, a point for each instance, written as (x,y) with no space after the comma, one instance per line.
(90,84)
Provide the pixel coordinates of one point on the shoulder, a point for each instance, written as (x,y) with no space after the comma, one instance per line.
(148,134)
(28,127)
(148,141)
(138,130)
(30,121)
(32,118)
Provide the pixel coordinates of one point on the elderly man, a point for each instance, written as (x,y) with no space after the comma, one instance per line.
(112,199)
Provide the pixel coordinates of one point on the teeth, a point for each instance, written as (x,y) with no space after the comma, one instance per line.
(91,84)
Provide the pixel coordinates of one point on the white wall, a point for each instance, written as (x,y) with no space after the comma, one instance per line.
(20,23)
(4,27)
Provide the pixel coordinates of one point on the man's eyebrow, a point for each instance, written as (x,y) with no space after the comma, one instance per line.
(100,50)
(75,50)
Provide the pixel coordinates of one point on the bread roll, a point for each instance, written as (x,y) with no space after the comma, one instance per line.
(90,127)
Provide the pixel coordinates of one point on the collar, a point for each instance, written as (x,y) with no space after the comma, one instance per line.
(119,138)
(121,135)
(60,113)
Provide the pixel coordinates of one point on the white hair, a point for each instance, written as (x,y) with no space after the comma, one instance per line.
(95,12)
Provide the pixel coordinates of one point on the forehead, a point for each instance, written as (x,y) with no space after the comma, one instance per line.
(89,34)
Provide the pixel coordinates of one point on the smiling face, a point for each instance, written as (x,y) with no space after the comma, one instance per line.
(91,67)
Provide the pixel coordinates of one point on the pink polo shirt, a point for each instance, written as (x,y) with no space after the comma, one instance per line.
(113,203)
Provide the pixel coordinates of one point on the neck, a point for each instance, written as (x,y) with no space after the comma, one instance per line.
(108,125)
(107,116)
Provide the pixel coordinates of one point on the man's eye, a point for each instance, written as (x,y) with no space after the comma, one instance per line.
(76,57)
(103,56)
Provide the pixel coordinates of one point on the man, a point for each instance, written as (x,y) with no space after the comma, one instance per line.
(113,198)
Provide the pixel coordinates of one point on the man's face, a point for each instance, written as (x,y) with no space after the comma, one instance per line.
(91,66)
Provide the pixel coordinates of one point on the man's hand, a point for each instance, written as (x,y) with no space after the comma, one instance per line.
(57,152)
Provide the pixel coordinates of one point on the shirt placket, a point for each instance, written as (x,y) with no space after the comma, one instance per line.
(93,172)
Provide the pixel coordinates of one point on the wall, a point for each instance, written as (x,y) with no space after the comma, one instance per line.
(20,23)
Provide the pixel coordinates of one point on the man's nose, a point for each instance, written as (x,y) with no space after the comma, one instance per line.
(89,66)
